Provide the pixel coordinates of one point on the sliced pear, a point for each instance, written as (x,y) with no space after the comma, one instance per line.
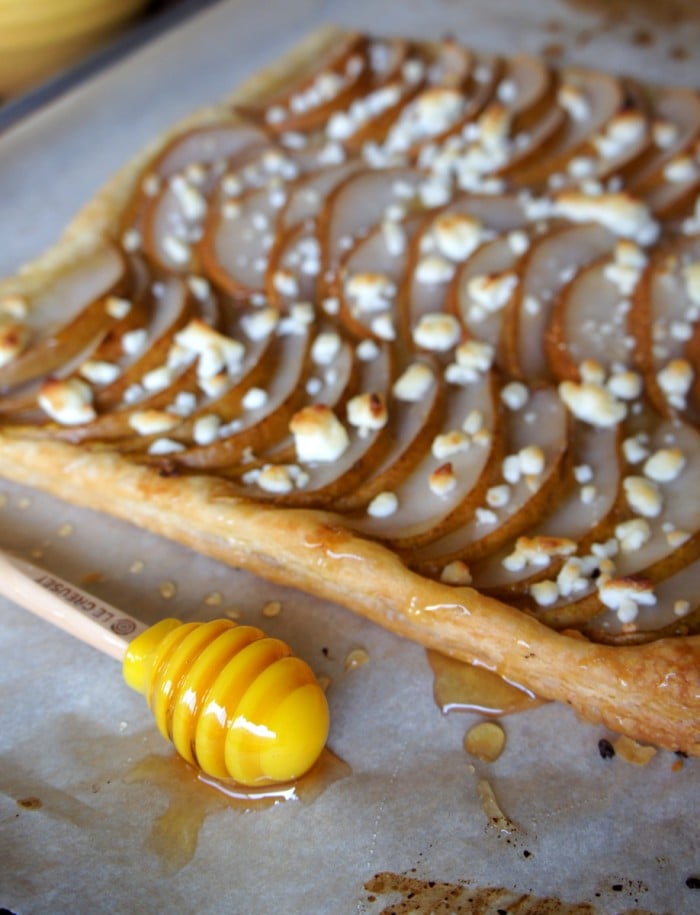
(534,439)
(330,86)
(549,264)
(664,324)
(415,418)
(66,317)
(584,513)
(450,481)
(260,427)
(319,482)
(591,100)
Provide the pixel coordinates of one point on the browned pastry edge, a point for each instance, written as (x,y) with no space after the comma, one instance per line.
(650,692)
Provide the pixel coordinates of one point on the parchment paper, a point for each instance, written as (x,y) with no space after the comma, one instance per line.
(96,815)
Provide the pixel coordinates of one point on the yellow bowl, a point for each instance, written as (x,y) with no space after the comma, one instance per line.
(39,31)
(38,39)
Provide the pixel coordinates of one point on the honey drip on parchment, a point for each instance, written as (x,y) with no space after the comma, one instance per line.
(460,687)
(193,797)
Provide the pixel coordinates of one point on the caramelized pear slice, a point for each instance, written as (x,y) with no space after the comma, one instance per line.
(447,242)
(550,263)
(675,115)
(664,324)
(266,422)
(450,481)
(656,529)
(67,316)
(199,156)
(583,514)
(317,482)
(676,612)
(590,324)
(535,439)
(330,86)
(591,100)
(235,244)
(414,421)
(355,206)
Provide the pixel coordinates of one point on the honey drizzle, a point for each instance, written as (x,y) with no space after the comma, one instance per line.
(461,687)
(175,833)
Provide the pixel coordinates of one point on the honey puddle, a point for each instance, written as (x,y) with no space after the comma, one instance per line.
(461,687)
(193,797)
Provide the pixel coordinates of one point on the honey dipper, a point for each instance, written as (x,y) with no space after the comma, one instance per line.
(234,702)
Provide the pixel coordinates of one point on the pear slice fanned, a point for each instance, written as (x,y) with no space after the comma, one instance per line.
(319,482)
(515,498)
(549,264)
(591,100)
(262,426)
(665,325)
(66,317)
(447,485)
(584,513)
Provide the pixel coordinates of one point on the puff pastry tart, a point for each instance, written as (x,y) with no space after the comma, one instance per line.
(416,329)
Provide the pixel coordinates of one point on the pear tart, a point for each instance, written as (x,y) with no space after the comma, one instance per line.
(413,328)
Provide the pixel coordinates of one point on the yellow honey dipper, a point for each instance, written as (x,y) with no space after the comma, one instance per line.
(235,703)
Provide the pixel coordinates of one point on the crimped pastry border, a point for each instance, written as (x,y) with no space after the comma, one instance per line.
(649,692)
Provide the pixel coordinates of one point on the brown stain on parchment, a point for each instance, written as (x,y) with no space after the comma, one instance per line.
(652,12)
(431,897)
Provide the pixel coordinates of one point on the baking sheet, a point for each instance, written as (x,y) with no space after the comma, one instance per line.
(96,814)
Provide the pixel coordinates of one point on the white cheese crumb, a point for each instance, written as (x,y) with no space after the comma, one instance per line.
(442,480)
(447,444)
(206,429)
(99,372)
(165,446)
(275,478)
(367,412)
(383,327)
(370,292)
(531,460)
(643,496)
(681,607)
(68,402)
(254,399)
(633,534)
(434,268)
(635,449)
(318,434)
(592,403)
(675,380)
(437,331)
(456,573)
(259,324)
(664,465)
(515,395)
(491,292)
(456,235)
(325,348)
(367,350)
(545,593)
(117,307)
(414,383)
(176,250)
(383,505)
(134,341)
(285,282)
(153,422)
(498,496)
